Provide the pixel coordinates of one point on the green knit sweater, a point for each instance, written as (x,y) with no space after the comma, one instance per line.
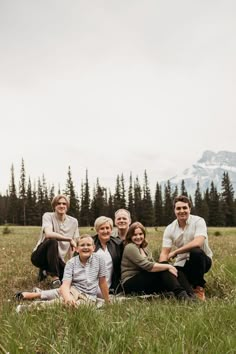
(134,262)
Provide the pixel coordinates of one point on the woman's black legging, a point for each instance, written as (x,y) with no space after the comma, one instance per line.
(46,257)
(152,282)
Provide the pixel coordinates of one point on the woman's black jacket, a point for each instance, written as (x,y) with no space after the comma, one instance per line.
(115,248)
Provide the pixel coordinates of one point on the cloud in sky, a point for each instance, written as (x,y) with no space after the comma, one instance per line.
(115,87)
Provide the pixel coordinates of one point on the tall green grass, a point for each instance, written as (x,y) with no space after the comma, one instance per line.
(132,326)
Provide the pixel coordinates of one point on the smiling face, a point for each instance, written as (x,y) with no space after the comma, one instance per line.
(122,220)
(138,237)
(104,232)
(182,212)
(61,206)
(85,248)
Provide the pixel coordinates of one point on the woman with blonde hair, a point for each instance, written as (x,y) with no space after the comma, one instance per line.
(110,248)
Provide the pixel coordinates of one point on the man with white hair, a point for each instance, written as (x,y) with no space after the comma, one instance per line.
(122,222)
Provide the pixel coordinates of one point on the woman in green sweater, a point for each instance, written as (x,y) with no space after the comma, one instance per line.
(140,274)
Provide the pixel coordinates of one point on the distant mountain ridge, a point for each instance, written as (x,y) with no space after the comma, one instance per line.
(210,167)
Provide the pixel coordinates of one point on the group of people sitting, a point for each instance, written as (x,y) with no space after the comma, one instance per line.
(88,268)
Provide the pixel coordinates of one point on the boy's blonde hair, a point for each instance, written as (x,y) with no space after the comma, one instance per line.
(78,239)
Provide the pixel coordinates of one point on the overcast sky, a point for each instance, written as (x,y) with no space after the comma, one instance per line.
(115,86)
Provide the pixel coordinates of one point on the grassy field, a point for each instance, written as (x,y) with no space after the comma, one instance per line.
(132,326)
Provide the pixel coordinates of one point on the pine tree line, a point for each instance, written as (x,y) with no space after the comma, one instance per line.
(27,205)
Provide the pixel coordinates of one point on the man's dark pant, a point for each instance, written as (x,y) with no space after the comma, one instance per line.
(195,268)
(46,257)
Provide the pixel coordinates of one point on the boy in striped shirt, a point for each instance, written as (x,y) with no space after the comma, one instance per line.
(82,276)
(84,273)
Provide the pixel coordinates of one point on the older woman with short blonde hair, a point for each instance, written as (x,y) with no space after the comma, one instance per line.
(101,220)
(111,248)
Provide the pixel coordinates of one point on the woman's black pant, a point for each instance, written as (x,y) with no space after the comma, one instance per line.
(153,282)
(46,257)
(195,268)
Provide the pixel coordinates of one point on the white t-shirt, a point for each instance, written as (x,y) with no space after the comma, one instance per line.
(69,228)
(175,235)
(109,266)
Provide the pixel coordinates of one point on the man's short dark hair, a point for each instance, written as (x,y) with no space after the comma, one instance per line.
(183,199)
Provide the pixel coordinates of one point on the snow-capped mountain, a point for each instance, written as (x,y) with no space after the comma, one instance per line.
(209,168)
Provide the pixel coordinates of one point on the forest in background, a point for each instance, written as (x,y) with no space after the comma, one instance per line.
(26,204)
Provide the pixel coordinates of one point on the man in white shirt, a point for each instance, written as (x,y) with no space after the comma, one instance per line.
(188,233)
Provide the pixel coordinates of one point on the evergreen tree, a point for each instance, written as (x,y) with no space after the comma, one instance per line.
(40,200)
(85,215)
(205,206)
(175,193)
(52,192)
(46,202)
(192,205)
(138,208)
(123,192)
(183,189)
(106,201)
(215,218)
(70,192)
(227,198)
(158,206)
(198,202)
(168,213)
(22,195)
(37,211)
(31,214)
(3,208)
(131,207)
(234,209)
(117,195)
(110,207)
(99,202)
(12,210)
(147,204)
(35,202)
